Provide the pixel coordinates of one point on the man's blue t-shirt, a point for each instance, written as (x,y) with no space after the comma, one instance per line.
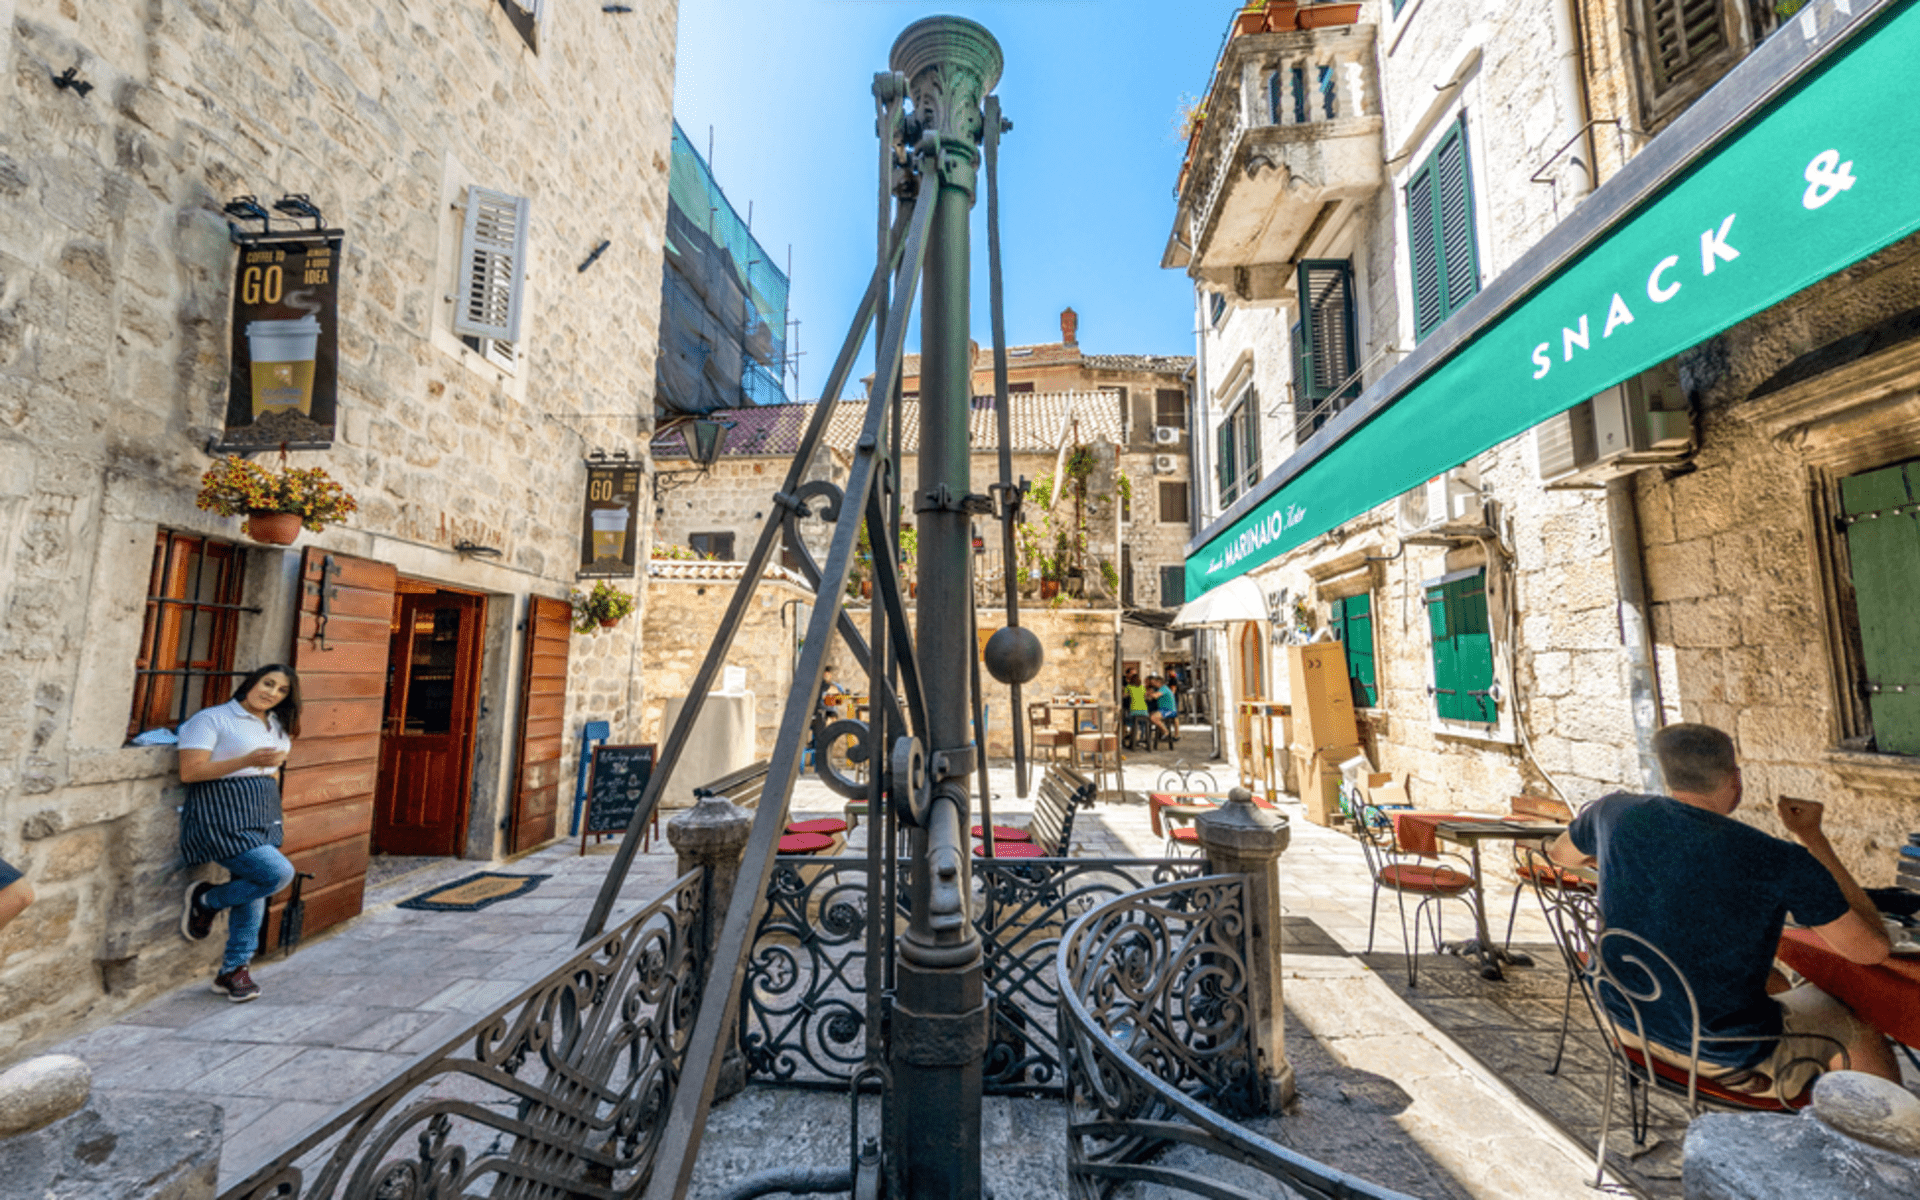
(1712,893)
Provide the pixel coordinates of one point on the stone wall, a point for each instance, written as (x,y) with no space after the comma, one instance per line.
(683,614)
(115,277)
(736,498)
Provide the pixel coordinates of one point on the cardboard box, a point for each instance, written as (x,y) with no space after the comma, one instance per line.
(1317,776)
(1322,696)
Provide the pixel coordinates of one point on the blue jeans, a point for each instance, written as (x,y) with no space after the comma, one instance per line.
(257,874)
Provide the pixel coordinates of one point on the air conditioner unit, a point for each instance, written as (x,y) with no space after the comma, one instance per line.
(1446,504)
(1166,435)
(1643,422)
(1165,464)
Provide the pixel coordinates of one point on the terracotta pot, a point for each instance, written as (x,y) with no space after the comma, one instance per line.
(609,622)
(1049,588)
(866,589)
(1323,16)
(1249,22)
(273,528)
(1280,15)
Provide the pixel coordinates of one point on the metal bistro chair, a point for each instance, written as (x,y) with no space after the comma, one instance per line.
(1429,879)
(1531,866)
(1571,915)
(1621,966)
(1097,741)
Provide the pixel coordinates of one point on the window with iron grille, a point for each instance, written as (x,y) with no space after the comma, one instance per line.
(1237,449)
(717,545)
(1170,408)
(1446,266)
(1173,502)
(185,660)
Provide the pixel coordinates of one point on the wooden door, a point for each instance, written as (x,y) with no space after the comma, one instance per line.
(340,652)
(543,711)
(426,748)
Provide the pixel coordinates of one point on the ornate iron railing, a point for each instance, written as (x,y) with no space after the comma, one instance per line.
(803,1017)
(561,1093)
(1154,1034)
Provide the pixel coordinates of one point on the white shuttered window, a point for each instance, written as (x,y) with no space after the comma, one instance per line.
(493,250)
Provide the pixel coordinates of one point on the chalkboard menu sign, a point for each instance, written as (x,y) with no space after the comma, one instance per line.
(618,780)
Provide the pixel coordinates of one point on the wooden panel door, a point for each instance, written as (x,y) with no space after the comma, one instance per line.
(426,749)
(543,712)
(340,652)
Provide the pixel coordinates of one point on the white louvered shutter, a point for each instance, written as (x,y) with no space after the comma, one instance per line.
(493,251)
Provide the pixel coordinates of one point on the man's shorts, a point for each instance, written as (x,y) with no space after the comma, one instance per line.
(1812,1022)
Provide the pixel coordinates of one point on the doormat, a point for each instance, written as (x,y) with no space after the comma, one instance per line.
(473,893)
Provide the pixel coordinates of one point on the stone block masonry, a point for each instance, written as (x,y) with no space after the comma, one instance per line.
(115,279)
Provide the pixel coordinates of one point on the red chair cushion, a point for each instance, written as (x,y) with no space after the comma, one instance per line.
(818,825)
(804,843)
(1003,833)
(1012,850)
(1713,1090)
(1186,833)
(1546,875)
(1419,877)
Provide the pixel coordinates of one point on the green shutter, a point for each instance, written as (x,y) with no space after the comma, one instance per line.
(1226,464)
(1883,539)
(1462,648)
(1325,339)
(1446,266)
(1352,623)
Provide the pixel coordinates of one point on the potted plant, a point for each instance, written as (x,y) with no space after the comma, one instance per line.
(276,503)
(603,607)
(1322,16)
(1251,19)
(1281,15)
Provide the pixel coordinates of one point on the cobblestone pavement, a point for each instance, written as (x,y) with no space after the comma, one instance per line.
(1384,1093)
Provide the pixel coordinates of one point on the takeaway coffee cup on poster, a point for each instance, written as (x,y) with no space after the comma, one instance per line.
(609,533)
(283,353)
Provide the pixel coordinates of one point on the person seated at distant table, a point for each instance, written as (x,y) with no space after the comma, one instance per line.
(1135,693)
(1713,893)
(1160,709)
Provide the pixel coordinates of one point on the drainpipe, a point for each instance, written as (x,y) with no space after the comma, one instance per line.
(1199,470)
(1629,576)
(1570,97)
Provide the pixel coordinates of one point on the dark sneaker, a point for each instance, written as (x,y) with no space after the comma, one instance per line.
(236,985)
(196,922)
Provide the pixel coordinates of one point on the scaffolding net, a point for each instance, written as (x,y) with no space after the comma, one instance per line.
(723,314)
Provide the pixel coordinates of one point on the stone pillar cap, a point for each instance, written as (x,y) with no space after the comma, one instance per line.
(1242,828)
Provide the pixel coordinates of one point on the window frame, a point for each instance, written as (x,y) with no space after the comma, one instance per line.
(164,672)
(725,538)
(1178,410)
(1178,574)
(1237,448)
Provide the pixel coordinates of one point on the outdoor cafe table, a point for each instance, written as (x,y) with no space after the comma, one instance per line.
(1416,832)
(1885,995)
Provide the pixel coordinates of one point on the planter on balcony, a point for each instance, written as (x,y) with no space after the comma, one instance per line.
(1249,22)
(1281,15)
(1323,16)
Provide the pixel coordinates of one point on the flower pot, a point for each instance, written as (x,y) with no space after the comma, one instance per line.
(1322,16)
(273,528)
(1249,22)
(1281,14)
(866,589)
(1049,588)
(609,622)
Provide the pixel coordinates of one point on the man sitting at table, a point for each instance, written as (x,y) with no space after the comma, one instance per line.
(1712,893)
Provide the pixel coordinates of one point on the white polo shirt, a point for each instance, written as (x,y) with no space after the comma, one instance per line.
(230,731)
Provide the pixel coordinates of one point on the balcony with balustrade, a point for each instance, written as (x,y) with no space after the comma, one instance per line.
(1290,133)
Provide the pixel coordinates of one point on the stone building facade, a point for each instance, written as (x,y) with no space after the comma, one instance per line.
(116,294)
(1712,578)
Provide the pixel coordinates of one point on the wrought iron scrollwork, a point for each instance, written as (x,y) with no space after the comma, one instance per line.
(562,1092)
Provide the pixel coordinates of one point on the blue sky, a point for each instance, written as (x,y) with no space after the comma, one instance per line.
(1086,176)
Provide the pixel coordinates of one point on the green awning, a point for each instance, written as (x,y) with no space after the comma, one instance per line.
(1803,160)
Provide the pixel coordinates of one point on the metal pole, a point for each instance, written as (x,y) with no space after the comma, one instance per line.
(940,1016)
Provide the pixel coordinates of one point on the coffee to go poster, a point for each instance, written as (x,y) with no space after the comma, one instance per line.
(286,336)
(609,529)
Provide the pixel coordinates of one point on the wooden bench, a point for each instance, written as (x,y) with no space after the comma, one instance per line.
(1050,833)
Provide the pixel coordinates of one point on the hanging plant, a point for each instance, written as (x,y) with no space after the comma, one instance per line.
(296,496)
(602,608)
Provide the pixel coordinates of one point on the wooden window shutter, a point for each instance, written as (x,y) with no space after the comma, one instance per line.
(493,250)
(1460,266)
(1462,648)
(1446,684)
(1882,511)
(1225,460)
(1679,34)
(1353,624)
(1326,337)
(1173,587)
(1423,247)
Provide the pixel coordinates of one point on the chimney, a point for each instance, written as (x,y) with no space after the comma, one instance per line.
(1069,327)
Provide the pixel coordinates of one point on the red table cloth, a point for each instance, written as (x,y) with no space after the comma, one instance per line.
(1415,832)
(1885,995)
